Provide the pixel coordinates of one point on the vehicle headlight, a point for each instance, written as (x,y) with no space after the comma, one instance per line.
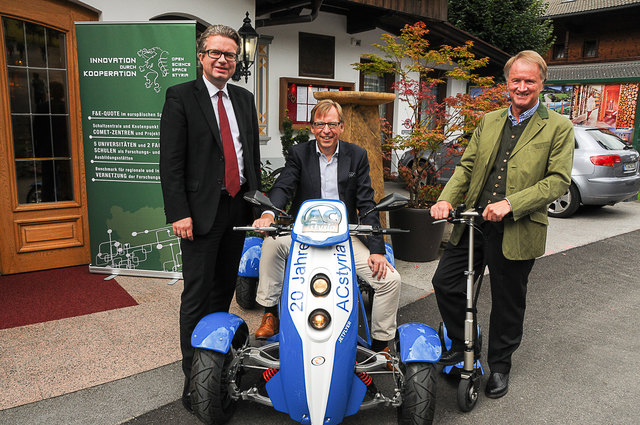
(320,285)
(319,319)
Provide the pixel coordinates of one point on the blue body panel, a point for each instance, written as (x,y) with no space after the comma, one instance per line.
(250,260)
(358,391)
(288,392)
(287,389)
(419,343)
(343,391)
(388,254)
(215,331)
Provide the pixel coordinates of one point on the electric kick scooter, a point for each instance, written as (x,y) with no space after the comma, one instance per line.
(470,369)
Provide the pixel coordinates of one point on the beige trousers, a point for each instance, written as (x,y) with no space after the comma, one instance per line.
(386,291)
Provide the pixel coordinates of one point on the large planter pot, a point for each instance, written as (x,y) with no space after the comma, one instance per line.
(422,243)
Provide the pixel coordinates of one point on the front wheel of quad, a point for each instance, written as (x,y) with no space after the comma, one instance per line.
(210,398)
(468,393)
(418,394)
(246,288)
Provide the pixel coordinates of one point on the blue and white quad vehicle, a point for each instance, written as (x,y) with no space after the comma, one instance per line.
(248,274)
(318,369)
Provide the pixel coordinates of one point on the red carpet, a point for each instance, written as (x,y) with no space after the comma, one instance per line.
(36,297)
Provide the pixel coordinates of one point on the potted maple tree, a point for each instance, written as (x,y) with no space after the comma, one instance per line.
(436,130)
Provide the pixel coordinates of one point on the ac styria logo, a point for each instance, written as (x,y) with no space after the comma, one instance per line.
(321,218)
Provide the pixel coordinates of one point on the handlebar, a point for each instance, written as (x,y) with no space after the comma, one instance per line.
(367,229)
(459,215)
(354,229)
(277,229)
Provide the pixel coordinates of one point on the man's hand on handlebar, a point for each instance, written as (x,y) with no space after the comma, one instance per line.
(265,220)
(496,211)
(441,210)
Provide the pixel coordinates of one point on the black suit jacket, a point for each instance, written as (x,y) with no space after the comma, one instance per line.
(300,180)
(191,154)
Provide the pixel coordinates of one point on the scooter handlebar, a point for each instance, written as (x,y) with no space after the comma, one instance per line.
(367,229)
(255,229)
(460,214)
(277,229)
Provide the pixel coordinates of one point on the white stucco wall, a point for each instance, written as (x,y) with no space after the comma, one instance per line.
(210,11)
(283,51)
(283,62)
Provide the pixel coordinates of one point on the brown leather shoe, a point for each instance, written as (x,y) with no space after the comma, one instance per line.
(269,326)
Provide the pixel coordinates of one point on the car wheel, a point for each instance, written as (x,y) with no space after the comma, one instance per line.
(566,205)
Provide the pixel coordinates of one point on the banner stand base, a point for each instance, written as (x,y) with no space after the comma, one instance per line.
(115,272)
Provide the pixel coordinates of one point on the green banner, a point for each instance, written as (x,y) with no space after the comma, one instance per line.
(125,69)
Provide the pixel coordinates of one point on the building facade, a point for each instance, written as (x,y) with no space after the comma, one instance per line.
(594,65)
(43,202)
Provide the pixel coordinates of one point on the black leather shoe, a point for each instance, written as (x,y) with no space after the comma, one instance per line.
(451,357)
(498,385)
(186,396)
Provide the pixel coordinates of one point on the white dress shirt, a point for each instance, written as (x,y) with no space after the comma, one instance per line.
(231,116)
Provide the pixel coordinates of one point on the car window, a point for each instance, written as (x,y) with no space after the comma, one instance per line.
(607,140)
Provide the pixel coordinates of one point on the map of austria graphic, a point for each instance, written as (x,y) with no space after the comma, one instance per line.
(155,65)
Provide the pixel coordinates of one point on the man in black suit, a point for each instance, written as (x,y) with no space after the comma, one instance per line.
(209,156)
(329,168)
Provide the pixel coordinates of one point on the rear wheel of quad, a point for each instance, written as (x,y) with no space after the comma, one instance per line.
(418,394)
(468,393)
(246,288)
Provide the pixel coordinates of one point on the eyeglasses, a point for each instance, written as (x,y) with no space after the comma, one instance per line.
(215,54)
(319,125)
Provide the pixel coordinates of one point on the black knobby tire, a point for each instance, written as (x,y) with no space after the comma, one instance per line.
(467,394)
(418,394)
(566,205)
(210,397)
(246,288)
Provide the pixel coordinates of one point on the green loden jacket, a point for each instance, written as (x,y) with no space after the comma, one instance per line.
(539,171)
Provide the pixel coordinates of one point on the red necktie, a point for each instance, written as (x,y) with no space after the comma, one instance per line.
(231,173)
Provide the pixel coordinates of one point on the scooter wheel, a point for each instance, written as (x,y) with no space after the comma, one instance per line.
(467,394)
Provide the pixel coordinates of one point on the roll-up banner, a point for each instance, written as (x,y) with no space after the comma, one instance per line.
(125,69)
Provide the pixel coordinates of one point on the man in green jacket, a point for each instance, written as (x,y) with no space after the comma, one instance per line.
(517,162)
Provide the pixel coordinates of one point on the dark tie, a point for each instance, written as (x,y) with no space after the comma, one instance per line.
(231,173)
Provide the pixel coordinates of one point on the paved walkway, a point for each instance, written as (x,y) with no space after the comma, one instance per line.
(54,370)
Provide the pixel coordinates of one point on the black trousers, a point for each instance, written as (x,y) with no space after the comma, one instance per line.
(210,268)
(508,293)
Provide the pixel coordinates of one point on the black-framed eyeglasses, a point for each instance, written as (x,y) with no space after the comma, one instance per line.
(215,54)
(319,125)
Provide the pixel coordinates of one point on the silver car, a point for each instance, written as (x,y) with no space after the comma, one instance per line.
(605,171)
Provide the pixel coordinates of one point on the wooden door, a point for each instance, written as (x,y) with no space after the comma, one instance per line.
(43,208)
